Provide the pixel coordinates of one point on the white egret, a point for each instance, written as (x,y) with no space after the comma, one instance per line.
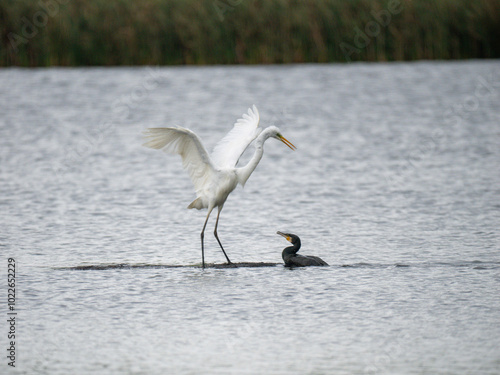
(292,259)
(215,176)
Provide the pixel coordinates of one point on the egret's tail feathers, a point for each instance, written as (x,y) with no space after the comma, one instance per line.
(197,203)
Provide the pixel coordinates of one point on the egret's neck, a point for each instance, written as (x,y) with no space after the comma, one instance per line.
(244,173)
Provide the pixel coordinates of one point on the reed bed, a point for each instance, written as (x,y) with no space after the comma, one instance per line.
(167,32)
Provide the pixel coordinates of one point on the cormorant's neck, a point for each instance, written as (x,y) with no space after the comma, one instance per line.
(290,251)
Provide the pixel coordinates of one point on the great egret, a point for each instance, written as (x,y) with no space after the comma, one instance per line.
(292,259)
(215,176)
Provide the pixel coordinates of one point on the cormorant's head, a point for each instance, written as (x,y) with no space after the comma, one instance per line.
(290,237)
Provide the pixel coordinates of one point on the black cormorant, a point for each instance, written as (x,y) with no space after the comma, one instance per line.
(292,259)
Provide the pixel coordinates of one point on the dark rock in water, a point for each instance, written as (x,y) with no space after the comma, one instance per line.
(101,267)
(241,264)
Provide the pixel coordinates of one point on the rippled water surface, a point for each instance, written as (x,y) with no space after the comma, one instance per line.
(395,183)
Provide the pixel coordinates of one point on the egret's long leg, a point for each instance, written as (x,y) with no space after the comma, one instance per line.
(202,236)
(216,236)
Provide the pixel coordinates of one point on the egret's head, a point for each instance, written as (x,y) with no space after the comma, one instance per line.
(275,133)
(290,237)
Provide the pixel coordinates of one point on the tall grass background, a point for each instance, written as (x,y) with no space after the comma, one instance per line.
(164,32)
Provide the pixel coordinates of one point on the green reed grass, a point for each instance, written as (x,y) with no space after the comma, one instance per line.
(129,32)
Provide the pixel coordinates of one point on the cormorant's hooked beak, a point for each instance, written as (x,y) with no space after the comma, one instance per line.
(287,236)
(287,142)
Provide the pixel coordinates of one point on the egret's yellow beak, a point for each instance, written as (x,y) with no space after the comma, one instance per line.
(287,142)
(288,238)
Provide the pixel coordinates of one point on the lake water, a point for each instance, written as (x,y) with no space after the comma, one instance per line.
(395,183)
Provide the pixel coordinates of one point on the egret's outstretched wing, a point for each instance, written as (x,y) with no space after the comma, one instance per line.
(229,149)
(195,158)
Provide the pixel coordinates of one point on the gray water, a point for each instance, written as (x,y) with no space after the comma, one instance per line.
(395,183)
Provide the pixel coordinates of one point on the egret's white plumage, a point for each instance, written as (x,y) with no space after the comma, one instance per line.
(195,158)
(215,177)
(229,149)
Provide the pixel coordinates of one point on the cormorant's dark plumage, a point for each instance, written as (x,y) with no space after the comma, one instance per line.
(292,259)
